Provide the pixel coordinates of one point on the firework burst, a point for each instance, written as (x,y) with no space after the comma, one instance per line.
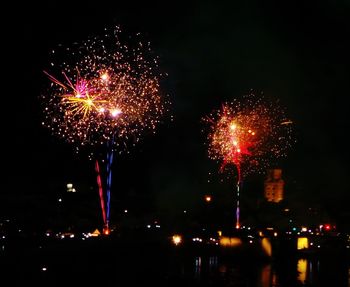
(102,89)
(103,94)
(251,134)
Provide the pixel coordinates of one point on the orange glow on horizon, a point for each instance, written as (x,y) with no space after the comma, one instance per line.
(106,231)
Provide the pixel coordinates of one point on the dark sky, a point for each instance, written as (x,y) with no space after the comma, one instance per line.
(213,51)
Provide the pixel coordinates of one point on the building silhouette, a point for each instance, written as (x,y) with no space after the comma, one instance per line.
(274,185)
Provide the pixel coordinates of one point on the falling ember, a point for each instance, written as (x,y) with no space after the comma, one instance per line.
(250,134)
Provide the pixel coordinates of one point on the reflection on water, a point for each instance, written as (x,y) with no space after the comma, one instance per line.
(315,272)
(197,270)
(302,270)
(213,262)
(156,266)
(266,246)
(268,276)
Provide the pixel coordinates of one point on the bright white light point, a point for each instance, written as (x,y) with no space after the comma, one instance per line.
(126,211)
(233,127)
(238,150)
(78,95)
(234,143)
(253,133)
(115,112)
(104,77)
(89,102)
(102,110)
(43,268)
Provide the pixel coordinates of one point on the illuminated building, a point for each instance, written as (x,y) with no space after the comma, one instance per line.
(274,185)
(70,188)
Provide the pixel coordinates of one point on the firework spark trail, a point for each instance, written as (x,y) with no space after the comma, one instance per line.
(250,134)
(100,191)
(109,179)
(108,92)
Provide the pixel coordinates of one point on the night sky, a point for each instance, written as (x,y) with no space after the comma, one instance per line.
(213,51)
